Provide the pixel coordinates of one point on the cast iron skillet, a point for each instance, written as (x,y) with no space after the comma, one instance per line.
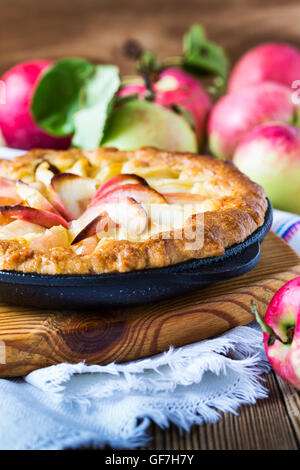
(135,287)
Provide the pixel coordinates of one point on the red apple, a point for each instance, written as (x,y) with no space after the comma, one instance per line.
(16,122)
(281,327)
(35,216)
(270,156)
(177,87)
(275,62)
(237,113)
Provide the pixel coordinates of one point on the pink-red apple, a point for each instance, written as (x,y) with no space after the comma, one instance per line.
(275,62)
(270,156)
(281,327)
(236,114)
(177,87)
(16,122)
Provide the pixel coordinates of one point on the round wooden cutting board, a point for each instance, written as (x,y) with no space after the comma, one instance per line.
(33,338)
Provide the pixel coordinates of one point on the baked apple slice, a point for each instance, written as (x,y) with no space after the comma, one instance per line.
(126,212)
(36,216)
(142,194)
(57,203)
(116,182)
(72,194)
(86,246)
(52,238)
(33,197)
(81,167)
(20,229)
(45,171)
(8,192)
(102,223)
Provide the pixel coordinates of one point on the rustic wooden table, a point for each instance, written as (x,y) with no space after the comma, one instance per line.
(98,29)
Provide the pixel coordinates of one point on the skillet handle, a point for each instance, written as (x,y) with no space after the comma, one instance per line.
(223,270)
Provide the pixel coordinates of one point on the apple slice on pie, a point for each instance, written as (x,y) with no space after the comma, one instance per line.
(8,192)
(73,193)
(36,216)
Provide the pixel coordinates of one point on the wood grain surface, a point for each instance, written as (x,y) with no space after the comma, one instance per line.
(37,338)
(271,424)
(98,29)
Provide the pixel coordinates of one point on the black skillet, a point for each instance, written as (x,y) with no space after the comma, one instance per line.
(136,287)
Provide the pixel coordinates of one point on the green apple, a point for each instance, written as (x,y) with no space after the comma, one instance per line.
(137,123)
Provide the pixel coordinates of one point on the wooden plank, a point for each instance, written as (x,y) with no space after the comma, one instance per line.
(37,338)
(98,29)
(265,426)
(291,399)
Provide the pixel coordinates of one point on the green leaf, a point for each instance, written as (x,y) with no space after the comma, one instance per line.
(57,96)
(148,62)
(97,102)
(201,56)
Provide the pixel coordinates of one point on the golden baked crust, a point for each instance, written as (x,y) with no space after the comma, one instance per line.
(234,207)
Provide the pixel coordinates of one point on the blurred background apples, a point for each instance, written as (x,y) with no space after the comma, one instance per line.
(141,123)
(16,122)
(175,87)
(237,113)
(176,102)
(270,155)
(275,62)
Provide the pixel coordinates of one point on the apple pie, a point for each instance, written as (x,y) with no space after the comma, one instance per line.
(108,211)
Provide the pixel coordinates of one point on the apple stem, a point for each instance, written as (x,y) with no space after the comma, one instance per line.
(266,328)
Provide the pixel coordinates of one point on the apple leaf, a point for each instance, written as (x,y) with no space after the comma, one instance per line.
(148,62)
(76,97)
(201,56)
(97,102)
(57,95)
